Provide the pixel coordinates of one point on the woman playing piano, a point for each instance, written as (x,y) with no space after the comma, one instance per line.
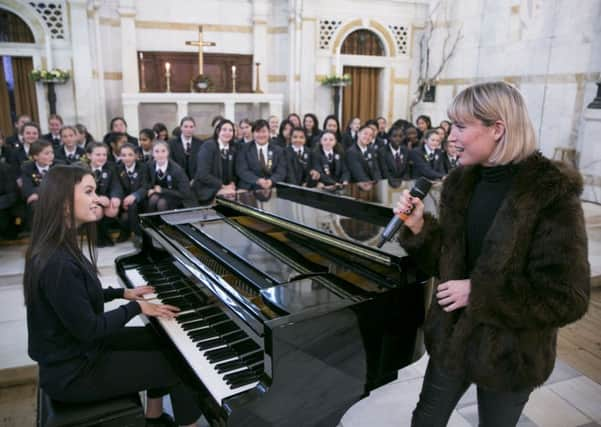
(83,353)
(509,251)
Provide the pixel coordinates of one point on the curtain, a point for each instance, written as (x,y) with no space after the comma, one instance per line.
(25,97)
(6,123)
(360,98)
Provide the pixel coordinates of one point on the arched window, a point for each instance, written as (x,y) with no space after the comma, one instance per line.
(363,42)
(13,29)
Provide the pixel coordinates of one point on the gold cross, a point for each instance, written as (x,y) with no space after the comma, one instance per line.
(200,43)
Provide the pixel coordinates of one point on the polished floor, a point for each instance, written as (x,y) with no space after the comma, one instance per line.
(570,398)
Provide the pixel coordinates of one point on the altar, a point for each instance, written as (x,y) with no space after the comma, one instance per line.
(142,110)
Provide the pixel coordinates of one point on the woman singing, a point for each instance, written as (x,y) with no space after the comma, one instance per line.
(83,353)
(509,251)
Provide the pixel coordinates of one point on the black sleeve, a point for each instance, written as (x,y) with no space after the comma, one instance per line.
(203,176)
(29,187)
(64,285)
(112,293)
(353,163)
(244,172)
(280,167)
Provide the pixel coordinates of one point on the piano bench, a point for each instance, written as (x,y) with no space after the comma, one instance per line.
(124,411)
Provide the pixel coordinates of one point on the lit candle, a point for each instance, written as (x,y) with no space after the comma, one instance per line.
(233,71)
(167,67)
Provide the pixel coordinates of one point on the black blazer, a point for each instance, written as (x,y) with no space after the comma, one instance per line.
(348,140)
(297,169)
(210,175)
(13,140)
(5,153)
(174,184)
(249,169)
(332,172)
(31,177)
(107,182)
(60,154)
(447,164)
(178,155)
(138,184)
(363,168)
(18,156)
(421,165)
(8,186)
(56,142)
(388,165)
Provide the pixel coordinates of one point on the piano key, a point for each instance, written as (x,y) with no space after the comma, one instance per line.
(210,344)
(135,278)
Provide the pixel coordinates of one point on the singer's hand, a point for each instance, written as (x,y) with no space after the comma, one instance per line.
(414,208)
(454,294)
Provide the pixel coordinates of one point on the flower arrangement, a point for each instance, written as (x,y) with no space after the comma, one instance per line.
(334,80)
(55,75)
(202,83)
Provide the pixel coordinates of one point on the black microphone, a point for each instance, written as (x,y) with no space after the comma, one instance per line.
(420,189)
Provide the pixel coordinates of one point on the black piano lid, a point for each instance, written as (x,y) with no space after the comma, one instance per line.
(347,228)
(299,295)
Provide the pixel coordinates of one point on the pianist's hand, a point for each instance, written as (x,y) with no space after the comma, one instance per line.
(137,293)
(158,310)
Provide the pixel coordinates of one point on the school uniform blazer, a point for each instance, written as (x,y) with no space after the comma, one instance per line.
(5,153)
(249,170)
(362,168)
(139,185)
(332,172)
(18,156)
(297,170)
(32,178)
(178,154)
(388,165)
(13,140)
(60,154)
(421,166)
(107,184)
(348,140)
(175,184)
(56,141)
(8,186)
(209,171)
(447,165)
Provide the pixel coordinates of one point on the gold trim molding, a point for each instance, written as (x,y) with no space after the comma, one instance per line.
(184,26)
(400,81)
(113,75)
(277,30)
(109,22)
(277,78)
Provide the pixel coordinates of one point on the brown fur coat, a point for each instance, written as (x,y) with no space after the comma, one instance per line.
(532,275)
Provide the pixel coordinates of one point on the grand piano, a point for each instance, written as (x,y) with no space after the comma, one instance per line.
(290,314)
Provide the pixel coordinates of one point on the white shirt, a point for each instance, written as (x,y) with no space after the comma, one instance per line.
(186,141)
(395,152)
(363,150)
(297,149)
(131,170)
(263,148)
(70,153)
(428,149)
(329,153)
(42,169)
(223,146)
(161,168)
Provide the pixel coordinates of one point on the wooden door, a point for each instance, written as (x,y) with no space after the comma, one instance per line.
(360,98)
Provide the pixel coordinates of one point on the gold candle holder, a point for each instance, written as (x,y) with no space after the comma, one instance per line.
(257,79)
(233,79)
(167,77)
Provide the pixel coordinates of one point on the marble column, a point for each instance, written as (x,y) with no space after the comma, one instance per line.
(260,17)
(129,61)
(307,65)
(86,111)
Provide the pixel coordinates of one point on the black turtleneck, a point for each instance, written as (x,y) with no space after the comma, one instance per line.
(490,191)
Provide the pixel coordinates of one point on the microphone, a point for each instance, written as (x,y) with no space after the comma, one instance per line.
(420,189)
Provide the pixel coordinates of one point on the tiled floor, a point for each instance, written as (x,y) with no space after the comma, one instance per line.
(567,399)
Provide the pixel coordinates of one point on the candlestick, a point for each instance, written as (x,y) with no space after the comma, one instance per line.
(233,79)
(168,77)
(257,79)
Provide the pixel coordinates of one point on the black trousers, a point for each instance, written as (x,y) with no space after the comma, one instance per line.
(132,361)
(441,392)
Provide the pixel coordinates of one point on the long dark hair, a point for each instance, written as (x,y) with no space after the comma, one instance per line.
(337,134)
(52,227)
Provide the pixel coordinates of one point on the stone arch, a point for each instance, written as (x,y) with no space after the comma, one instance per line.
(29,16)
(375,27)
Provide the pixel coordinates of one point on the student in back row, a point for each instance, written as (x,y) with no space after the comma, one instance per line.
(260,163)
(183,150)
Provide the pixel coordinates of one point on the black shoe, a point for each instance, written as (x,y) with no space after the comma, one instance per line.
(164,420)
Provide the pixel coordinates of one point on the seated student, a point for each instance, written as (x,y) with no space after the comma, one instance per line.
(133,179)
(298,160)
(83,136)
(311,127)
(30,132)
(331,123)
(17,137)
(350,135)
(294,120)
(450,160)
(260,164)
(33,173)
(411,140)
(283,139)
(362,158)
(8,198)
(446,126)
(184,149)
(382,135)
(55,123)
(246,132)
(83,353)
(426,160)
(146,139)
(394,157)
(119,125)
(69,152)
(161,132)
(423,123)
(215,172)
(274,126)
(328,165)
(376,142)
(169,187)
(108,189)
(114,141)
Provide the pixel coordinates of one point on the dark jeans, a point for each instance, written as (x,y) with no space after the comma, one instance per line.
(441,392)
(132,361)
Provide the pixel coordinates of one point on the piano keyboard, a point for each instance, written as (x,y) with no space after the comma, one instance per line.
(222,355)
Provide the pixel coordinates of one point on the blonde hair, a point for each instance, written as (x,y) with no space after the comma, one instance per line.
(498,101)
